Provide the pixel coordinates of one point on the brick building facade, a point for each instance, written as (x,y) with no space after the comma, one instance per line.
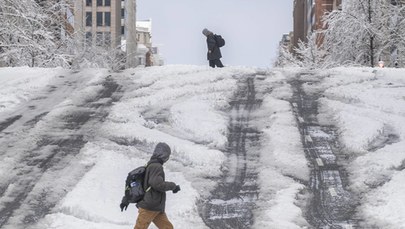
(308,17)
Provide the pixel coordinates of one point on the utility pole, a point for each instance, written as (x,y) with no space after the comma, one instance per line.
(78,21)
(79,32)
(130,36)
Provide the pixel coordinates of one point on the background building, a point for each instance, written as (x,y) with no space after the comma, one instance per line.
(146,54)
(320,8)
(299,32)
(99,21)
(308,17)
(286,41)
(104,23)
(144,39)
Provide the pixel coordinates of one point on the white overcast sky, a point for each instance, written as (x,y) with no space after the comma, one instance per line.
(252,28)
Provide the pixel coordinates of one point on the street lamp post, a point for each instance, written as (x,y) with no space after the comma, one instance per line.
(130,33)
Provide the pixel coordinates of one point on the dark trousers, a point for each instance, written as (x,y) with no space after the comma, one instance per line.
(216,62)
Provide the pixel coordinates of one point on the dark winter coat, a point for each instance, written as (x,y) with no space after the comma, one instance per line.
(212,46)
(155,197)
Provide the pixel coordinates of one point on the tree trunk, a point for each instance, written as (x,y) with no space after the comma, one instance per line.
(372,51)
(370,17)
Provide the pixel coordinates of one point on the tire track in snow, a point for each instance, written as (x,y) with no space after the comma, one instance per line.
(43,173)
(8,122)
(332,205)
(232,203)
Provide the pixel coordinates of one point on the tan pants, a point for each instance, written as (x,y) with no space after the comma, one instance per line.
(145,217)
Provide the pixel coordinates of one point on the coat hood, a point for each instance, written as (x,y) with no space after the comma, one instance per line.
(206,32)
(162,152)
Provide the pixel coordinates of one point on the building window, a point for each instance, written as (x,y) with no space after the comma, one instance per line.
(88,2)
(123,13)
(99,18)
(107,19)
(107,2)
(88,19)
(122,30)
(99,2)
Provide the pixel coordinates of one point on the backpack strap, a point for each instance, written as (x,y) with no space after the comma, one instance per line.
(146,168)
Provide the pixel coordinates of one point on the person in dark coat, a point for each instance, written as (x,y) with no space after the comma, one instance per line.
(214,53)
(152,207)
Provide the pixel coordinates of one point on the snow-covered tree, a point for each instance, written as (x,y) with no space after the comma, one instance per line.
(397,33)
(90,55)
(312,53)
(19,30)
(360,33)
(30,33)
(285,58)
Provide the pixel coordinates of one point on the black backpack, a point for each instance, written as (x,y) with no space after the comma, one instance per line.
(219,40)
(134,185)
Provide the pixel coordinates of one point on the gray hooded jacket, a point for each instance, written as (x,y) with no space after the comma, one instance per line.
(155,198)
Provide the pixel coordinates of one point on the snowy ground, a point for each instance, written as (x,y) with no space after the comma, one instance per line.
(368,108)
(186,106)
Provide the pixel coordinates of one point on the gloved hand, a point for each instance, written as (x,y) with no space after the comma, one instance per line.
(175,190)
(124,203)
(124,206)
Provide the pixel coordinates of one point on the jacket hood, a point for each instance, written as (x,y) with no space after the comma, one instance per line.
(206,32)
(162,152)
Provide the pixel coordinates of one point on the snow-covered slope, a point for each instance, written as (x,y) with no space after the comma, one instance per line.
(368,108)
(186,106)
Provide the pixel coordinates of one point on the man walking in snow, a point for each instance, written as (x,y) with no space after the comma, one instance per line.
(214,53)
(152,207)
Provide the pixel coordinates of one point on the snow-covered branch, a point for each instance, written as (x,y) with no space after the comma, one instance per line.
(362,33)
